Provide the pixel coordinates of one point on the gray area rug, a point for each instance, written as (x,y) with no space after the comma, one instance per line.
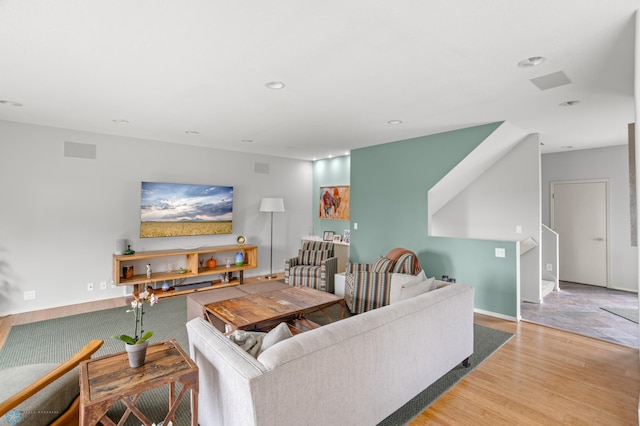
(629,314)
(58,339)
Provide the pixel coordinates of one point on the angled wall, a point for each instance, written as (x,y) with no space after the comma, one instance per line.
(389,185)
(503,203)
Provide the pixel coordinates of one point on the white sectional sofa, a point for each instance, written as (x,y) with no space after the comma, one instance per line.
(356,371)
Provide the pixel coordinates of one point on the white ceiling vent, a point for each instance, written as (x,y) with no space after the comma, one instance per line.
(550,81)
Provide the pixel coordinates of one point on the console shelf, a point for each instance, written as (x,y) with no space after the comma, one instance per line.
(192,267)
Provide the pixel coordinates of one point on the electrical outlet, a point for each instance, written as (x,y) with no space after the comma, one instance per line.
(29,295)
(103,285)
(518,229)
(112,284)
(90,287)
(549,267)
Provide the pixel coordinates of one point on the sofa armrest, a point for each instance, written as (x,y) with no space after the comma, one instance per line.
(288,264)
(228,374)
(292,261)
(329,268)
(367,290)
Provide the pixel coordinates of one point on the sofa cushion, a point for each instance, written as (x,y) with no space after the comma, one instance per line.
(417,288)
(277,334)
(312,257)
(398,280)
(382,264)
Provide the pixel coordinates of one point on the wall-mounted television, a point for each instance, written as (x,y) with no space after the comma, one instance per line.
(177,210)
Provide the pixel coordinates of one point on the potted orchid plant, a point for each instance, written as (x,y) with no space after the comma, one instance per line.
(137,344)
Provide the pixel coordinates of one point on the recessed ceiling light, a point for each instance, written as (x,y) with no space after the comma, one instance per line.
(532,61)
(566,147)
(275,85)
(10,103)
(192,132)
(120,121)
(247,141)
(569,103)
(394,122)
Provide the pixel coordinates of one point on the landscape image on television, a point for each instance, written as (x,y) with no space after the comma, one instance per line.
(176,210)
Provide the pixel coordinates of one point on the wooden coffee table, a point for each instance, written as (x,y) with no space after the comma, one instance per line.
(108,379)
(257,310)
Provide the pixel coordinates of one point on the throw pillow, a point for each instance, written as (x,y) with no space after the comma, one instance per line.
(416,289)
(382,264)
(250,341)
(277,334)
(398,281)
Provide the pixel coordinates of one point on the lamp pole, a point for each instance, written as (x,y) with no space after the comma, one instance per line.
(271,251)
(271,205)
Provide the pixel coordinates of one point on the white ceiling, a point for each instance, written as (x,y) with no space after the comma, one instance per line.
(350,66)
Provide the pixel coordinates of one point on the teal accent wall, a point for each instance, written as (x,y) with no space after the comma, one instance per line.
(329,172)
(389,185)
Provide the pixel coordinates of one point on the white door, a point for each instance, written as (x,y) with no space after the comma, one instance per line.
(579,215)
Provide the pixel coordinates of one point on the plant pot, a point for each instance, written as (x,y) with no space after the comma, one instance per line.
(136,354)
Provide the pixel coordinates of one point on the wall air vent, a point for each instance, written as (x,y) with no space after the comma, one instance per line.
(79,150)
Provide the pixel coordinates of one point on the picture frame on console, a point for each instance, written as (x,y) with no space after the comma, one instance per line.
(328,236)
(337,238)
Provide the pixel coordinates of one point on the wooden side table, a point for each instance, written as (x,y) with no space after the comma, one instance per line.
(108,379)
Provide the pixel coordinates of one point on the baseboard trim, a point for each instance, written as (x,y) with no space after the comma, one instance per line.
(494,314)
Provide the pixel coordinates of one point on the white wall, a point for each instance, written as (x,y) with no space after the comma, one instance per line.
(60,216)
(505,196)
(601,163)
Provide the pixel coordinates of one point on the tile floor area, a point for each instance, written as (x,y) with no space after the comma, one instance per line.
(576,307)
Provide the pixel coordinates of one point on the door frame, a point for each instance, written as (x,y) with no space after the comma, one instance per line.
(607,201)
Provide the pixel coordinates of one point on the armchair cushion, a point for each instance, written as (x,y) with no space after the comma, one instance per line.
(43,407)
(312,257)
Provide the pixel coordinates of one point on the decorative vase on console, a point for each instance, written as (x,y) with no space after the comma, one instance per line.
(239,258)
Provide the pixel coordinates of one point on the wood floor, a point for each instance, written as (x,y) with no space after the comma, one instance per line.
(542,376)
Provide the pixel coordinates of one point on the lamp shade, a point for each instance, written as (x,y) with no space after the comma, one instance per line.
(272,205)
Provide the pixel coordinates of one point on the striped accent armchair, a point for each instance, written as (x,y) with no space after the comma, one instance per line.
(367,286)
(315,266)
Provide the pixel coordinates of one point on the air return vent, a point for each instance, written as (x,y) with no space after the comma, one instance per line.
(550,81)
(79,150)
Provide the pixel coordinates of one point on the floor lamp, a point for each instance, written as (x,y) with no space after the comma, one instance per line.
(271,205)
